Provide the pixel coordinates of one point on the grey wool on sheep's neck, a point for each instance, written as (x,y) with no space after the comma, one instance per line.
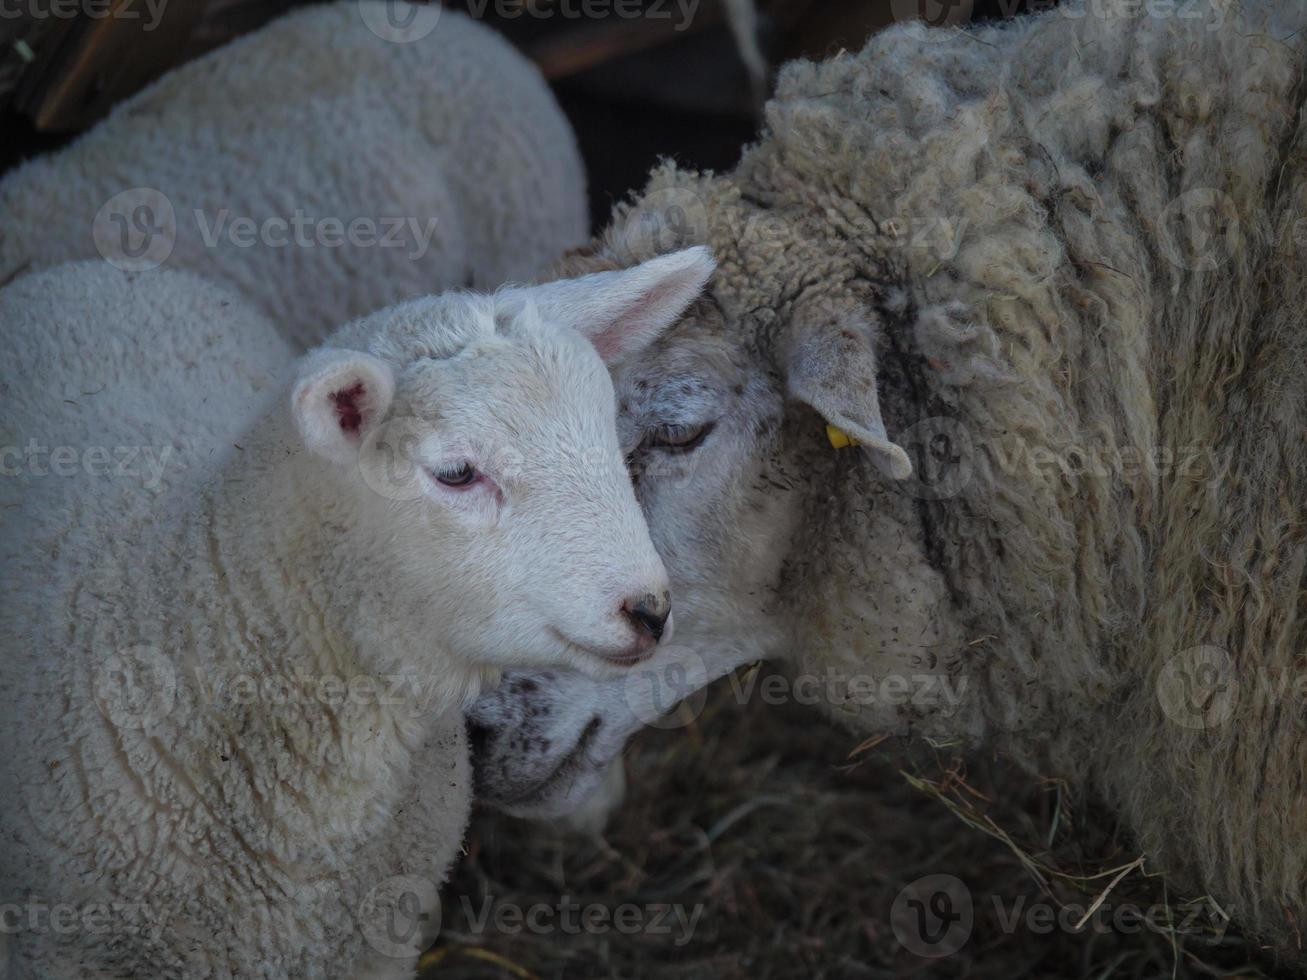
(1001,236)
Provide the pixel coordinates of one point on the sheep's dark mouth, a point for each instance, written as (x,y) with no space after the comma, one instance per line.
(567,772)
(568,769)
(628,659)
(619,658)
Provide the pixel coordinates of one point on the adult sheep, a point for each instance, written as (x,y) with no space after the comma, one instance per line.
(343,158)
(1046,274)
(234,672)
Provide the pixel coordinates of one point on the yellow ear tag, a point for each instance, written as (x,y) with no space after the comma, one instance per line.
(839,439)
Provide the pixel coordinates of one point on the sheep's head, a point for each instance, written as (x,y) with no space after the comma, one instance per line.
(778,543)
(724,420)
(470,443)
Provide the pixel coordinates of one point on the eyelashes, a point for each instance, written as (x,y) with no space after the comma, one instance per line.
(679,438)
(670,439)
(458,477)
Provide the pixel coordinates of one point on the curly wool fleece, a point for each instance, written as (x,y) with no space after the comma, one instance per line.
(319,169)
(144,817)
(1079,236)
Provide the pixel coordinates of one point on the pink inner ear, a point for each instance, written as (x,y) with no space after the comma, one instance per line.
(349,407)
(608,343)
(627,331)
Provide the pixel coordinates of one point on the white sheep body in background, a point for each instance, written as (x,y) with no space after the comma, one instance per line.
(324,166)
(234,673)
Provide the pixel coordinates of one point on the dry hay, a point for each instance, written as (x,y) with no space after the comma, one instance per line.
(796,840)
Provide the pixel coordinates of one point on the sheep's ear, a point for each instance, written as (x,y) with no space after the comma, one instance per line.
(623,311)
(829,360)
(338,396)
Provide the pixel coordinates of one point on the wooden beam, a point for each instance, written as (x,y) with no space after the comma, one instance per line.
(96,61)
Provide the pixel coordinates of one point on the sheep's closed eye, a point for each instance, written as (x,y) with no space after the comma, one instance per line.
(679,438)
(457,477)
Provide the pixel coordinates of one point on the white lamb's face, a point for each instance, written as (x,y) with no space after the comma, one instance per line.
(523,519)
(479,446)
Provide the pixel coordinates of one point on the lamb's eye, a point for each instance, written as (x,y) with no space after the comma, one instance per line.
(679,438)
(463,475)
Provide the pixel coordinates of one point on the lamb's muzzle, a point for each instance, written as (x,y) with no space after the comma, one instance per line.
(649,614)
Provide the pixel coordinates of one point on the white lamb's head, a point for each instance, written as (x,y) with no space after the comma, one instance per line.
(469,445)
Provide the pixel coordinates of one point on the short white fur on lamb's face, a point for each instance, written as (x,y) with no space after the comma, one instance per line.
(477,440)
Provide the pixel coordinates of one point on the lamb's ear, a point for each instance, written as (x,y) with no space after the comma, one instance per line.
(338,396)
(829,359)
(623,311)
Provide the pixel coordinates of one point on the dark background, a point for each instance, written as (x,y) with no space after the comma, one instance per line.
(635,88)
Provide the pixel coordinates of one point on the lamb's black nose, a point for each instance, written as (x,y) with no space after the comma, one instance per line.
(648,613)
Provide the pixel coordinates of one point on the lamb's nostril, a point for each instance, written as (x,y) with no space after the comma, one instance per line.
(648,613)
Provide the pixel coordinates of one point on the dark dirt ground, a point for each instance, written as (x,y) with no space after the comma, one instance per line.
(795,840)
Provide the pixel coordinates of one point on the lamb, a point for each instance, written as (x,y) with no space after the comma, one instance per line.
(234,679)
(1045,275)
(343,158)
